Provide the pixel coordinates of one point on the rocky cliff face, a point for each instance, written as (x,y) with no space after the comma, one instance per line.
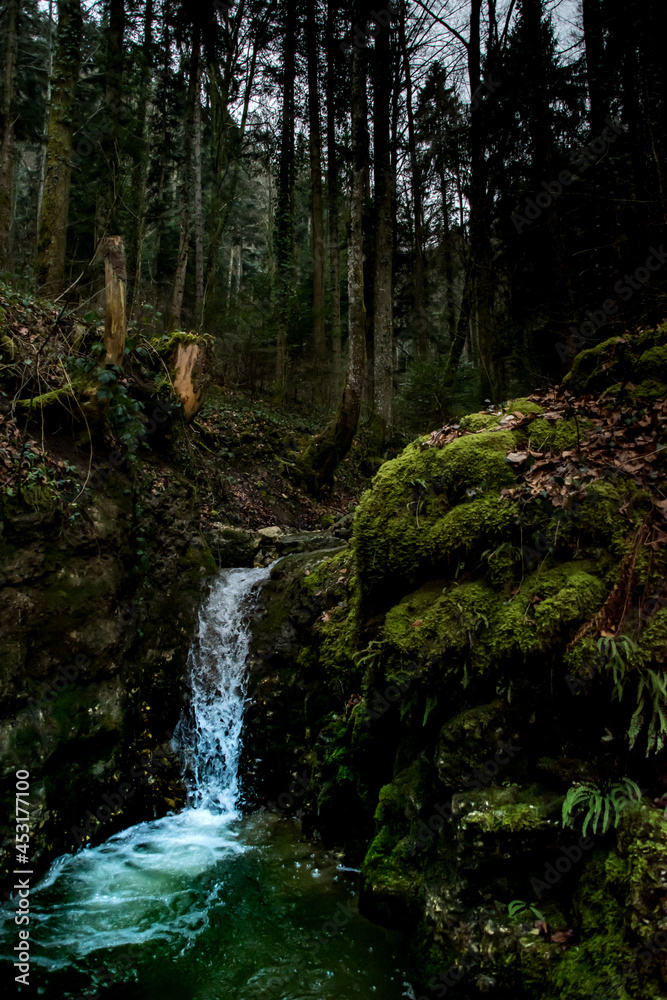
(469,699)
(96,617)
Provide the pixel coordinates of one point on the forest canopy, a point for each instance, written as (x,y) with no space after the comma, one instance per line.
(384,214)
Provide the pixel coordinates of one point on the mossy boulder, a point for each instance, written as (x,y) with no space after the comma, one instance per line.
(397,535)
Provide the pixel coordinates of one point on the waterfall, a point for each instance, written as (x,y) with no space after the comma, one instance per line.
(209,734)
(206,903)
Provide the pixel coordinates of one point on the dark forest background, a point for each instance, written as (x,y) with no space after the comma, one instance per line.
(428,205)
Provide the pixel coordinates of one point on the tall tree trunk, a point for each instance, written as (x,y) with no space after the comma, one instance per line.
(113,97)
(475,278)
(7,129)
(52,244)
(199,208)
(317,212)
(157,211)
(448,257)
(143,162)
(332,194)
(421,322)
(284,233)
(49,73)
(595,62)
(185,193)
(227,139)
(329,449)
(383,334)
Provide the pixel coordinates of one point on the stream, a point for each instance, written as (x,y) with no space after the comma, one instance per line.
(208,903)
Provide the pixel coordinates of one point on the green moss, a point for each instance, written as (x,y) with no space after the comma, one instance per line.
(652,364)
(559,435)
(165,343)
(479,421)
(441,621)
(508,810)
(479,523)
(395,518)
(46,399)
(618,909)
(523,405)
(594,369)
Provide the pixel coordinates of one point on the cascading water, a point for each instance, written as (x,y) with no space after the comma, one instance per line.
(207,904)
(210,732)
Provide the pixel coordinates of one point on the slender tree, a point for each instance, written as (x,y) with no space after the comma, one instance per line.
(420,321)
(52,245)
(383,334)
(330,448)
(284,224)
(332,192)
(7,128)
(186,185)
(142,163)
(316,202)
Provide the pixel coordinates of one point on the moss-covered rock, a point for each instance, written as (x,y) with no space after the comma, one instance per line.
(396,528)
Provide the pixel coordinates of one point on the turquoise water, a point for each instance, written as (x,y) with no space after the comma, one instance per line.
(192,907)
(208,904)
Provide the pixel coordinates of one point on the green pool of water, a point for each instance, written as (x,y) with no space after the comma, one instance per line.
(197,906)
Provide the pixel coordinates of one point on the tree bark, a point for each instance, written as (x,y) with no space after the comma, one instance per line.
(421,322)
(199,207)
(383,335)
(595,62)
(226,141)
(475,278)
(185,189)
(330,448)
(49,71)
(7,130)
(113,97)
(141,169)
(332,195)
(316,206)
(52,243)
(115,322)
(284,231)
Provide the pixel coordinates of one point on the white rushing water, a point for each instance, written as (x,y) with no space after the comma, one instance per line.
(206,904)
(210,732)
(137,886)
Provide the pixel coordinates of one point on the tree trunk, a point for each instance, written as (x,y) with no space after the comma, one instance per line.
(284,231)
(157,211)
(383,336)
(595,63)
(115,324)
(332,195)
(226,140)
(185,189)
(7,130)
(199,208)
(329,449)
(113,100)
(475,278)
(421,322)
(52,243)
(317,212)
(49,72)
(141,169)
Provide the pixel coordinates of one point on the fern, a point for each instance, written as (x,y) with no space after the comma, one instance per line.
(518,908)
(599,807)
(650,709)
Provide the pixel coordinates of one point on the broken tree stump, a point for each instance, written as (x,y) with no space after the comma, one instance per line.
(190,375)
(115,323)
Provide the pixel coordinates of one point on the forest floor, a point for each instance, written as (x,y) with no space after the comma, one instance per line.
(58,435)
